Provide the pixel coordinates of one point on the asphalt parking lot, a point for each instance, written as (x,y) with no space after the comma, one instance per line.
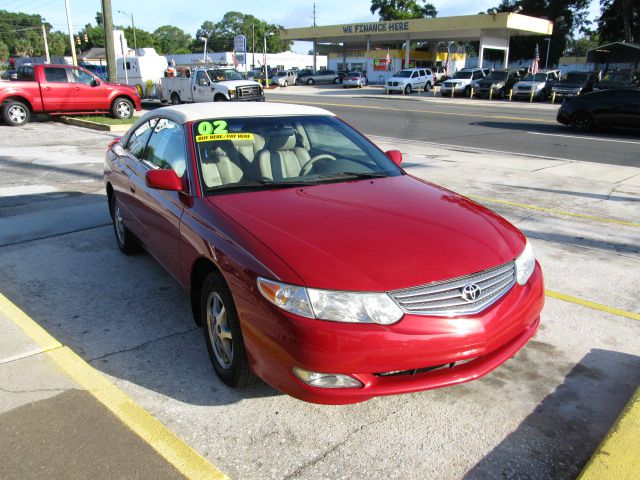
(540,415)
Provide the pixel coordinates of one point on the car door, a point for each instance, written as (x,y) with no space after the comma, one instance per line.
(201,88)
(89,93)
(161,210)
(628,108)
(57,91)
(133,171)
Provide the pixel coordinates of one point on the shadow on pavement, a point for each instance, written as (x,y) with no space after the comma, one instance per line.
(609,133)
(597,196)
(563,431)
(583,241)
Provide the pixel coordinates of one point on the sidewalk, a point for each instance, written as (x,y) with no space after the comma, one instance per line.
(54,427)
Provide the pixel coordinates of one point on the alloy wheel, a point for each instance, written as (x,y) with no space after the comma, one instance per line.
(17,114)
(219,331)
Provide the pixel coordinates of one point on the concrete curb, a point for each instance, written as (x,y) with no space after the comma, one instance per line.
(94,125)
(617,456)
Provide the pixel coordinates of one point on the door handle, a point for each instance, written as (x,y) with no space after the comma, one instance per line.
(47,88)
(77,88)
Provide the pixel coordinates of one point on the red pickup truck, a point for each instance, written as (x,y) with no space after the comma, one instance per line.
(63,89)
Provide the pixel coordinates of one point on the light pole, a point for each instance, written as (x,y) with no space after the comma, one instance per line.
(133,27)
(546,60)
(204,54)
(266,67)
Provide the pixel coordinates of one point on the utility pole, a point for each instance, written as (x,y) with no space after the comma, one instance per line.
(110,50)
(253,45)
(46,44)
(73,45)
(314,14)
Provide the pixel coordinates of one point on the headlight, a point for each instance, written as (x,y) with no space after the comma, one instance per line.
(332,305)
(525,264)
(232,93)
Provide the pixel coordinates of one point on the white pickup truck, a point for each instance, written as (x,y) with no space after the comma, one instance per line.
(210,85)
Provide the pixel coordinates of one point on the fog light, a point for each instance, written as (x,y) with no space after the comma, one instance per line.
(326,380)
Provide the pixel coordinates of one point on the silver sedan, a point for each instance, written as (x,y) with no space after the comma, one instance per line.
(354,79)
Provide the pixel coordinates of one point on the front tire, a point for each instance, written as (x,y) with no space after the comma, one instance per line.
(581,122)
(407,90)
(175,99)
(122,108)
(222,333)
(16,113)
(311,81)
(127,242)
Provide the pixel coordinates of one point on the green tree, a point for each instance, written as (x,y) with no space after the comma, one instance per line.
(58,44)
(619,20)
(220,35)
(143,38)
(403,9)
(4,52)
(170,39)
(569,17)
(580,46)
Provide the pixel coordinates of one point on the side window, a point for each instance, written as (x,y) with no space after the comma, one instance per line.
(166,147)
(25,74)
(56,75)
(80,76)
(202,79)
(140,137)
(477,75)
(414,75)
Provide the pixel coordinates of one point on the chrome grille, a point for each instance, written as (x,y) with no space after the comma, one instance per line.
(248,91)
(445,298)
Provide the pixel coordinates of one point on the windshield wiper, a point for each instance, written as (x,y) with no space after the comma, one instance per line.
(260,184)
(354,175)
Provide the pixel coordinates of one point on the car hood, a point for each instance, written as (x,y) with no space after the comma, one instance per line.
(398,79)
(238,83)
(374,235)
(568,85)
(530,84)
(488,83)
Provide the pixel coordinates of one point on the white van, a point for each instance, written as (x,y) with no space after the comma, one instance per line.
(408,80)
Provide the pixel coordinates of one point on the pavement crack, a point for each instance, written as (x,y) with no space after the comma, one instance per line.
(38,390)
(142,345)
(338,445)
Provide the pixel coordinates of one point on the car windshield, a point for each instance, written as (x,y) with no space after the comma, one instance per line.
(461,75)
(222,75)
(574,78)
(281,74)
(497,76)
(538,77)
(403,74)
(244,154)
(616,77)
(352,74)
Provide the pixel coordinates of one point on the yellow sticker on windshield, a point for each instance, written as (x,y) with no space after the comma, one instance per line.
(224,136)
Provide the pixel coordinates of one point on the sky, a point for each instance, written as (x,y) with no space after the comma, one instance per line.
(190,14)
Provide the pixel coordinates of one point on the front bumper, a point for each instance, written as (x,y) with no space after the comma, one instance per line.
(395,88)
(276,342)
(457,89)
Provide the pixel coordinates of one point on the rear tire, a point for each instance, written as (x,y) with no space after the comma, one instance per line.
(222,333)
(467,91)
(127,242)
(122,108)
(311,81)
(427,87)
(175,99)
(581,122)
(16,113)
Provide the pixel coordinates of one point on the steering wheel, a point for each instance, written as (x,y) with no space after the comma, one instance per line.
(306,168)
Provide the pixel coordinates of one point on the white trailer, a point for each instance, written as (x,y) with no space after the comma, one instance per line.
(143,72)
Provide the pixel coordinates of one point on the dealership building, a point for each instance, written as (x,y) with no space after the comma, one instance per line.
(387,46)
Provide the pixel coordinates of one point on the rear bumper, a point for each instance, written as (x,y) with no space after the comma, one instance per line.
(276,342)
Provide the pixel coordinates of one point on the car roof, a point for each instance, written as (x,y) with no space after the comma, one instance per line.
(199,111)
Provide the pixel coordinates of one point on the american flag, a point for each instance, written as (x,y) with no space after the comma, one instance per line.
(388,60)
(536,61)
(235,60)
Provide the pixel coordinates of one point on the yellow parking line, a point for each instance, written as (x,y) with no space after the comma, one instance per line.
(168,445)
(617,456)
(554,211)
(431,112)
(593,305)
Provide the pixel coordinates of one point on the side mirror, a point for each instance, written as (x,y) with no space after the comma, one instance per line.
(163,179)
(95,82)
(394,155)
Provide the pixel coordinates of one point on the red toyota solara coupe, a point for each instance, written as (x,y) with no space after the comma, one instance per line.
(313,260)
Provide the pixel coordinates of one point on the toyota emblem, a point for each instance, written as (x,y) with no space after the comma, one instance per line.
(470,293)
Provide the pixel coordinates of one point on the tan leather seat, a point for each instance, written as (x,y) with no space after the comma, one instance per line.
(218,168)
(281,158)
